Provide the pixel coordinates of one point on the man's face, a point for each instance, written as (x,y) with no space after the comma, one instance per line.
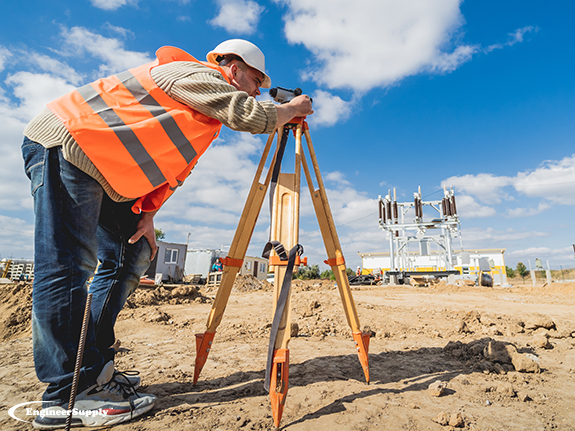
(247,79)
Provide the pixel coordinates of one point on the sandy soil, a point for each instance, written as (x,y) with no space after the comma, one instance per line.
(423,335)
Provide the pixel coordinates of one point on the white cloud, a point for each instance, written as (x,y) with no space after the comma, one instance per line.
(329,109)
(35,90)
(485,187)
(16,238)
(115,58)
(124,32)
(201,237)
(475,237)
(554,180)
(513,38)
(238,16)
(467,207)
(564,254)
(55,67)
(14,186)
(534,250)
(449,61)
(349,205)
(336,177)
(527,212)
(4,56)
(371,43)
(112,4)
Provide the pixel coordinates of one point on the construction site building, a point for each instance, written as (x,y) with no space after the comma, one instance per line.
(199,262)
(169,263)
(16,269)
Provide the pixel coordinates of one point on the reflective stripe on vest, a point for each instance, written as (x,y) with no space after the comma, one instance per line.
(135,134)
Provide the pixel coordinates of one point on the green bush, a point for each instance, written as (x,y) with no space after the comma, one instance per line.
(522,270)
(307,272)
(327,275)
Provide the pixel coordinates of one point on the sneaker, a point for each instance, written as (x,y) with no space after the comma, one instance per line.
(108,402)
(130,378)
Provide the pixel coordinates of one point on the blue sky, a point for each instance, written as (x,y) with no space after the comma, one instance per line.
(478,96)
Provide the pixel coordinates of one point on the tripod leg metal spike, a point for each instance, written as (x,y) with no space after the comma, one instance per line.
(362,345)
(279,383)
(203,346)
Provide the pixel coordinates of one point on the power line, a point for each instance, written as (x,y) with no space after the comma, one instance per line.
(353,221)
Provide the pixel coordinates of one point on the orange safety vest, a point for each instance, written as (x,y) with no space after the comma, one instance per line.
(141,140)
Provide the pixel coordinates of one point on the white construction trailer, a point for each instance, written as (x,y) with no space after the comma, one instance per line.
(199,262)
(170,262)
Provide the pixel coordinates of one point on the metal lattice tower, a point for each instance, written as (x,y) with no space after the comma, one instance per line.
(402,231)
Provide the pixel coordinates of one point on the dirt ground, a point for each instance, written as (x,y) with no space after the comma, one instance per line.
(465,344)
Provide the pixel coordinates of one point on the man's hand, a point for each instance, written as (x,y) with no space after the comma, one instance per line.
(145,229)
(297,107)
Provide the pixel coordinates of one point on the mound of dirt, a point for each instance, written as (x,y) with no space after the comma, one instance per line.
(315,285)
(16,305)
(248,283)
(556,287)
(173,295)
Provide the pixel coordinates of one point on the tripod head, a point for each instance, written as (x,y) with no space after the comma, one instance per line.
(284,95)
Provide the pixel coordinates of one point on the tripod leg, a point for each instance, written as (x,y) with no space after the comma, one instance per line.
(234,261)
(285,223)
(335,256)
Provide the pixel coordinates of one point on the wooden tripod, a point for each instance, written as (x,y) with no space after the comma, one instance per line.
(285,229)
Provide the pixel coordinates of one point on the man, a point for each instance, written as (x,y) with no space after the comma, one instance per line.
(102,160)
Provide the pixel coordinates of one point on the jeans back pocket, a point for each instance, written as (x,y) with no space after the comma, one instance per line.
(34,156)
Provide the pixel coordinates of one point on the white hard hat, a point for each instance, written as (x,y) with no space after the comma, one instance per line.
(249,53)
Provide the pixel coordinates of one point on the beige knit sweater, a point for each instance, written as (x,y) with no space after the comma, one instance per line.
(193,84)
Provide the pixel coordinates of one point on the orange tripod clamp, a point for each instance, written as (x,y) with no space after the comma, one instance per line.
(275,260)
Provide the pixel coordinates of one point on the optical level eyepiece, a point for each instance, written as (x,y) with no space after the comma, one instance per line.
(284,95)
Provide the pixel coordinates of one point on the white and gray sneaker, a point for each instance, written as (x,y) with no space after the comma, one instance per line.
(109,402)
(130,378)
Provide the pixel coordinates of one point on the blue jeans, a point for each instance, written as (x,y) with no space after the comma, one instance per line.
(76,226)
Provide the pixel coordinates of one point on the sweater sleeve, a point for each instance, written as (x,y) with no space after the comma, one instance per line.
(206,91)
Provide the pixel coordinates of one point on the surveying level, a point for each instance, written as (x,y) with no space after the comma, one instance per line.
(284,237)
(284,95)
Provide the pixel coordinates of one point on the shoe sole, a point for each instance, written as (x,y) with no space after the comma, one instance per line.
(93,421)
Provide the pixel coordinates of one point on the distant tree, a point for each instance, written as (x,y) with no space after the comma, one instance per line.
(522,270)
(510,272)
(327,275)
(307,272)
(160,234)
(349,271)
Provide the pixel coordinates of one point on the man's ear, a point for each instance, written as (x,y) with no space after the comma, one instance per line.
(233,70)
